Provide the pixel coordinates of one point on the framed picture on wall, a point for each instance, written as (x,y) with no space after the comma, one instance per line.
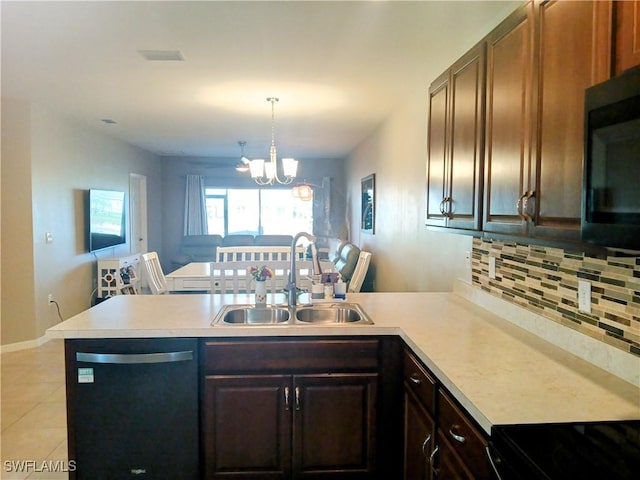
(368,196)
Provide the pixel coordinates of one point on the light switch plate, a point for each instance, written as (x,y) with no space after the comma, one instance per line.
(492,268)
(584,296)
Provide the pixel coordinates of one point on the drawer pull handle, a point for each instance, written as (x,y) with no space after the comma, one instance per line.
(424,446)
(432,458)
(415,379)
(286,398)
(455,436)
(297,393)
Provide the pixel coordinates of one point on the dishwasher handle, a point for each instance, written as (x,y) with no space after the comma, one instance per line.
(133,358)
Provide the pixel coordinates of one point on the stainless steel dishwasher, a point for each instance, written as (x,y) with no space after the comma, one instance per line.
(132,408)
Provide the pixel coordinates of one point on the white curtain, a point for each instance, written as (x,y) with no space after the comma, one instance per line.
(195,212)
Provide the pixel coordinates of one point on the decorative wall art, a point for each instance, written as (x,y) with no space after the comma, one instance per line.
(368,196)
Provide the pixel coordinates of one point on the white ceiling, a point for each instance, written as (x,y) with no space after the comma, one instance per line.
(339,68)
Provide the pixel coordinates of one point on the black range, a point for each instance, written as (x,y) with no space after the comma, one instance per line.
(564,451)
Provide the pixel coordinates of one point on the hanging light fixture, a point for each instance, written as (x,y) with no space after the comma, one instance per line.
(266,173)
(243,164)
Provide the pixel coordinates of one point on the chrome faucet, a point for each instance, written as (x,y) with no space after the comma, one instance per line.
(291,285)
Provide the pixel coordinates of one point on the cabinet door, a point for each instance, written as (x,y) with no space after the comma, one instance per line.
(437,151)
(467,140)
(568,63)
(508,122)
(419,439)
(627,51)
(247,427)
(334,425)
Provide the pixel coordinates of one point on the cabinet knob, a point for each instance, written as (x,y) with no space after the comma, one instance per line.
(415,379)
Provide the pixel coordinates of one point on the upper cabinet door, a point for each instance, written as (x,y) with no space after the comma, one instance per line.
(467,140)
(569,61)
(455,144)
(508,123)
(437,151)
(627,19)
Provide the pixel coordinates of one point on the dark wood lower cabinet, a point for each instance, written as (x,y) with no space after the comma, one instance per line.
(247,427)
(316,418)
(302,426)
(441,441)
(419,440)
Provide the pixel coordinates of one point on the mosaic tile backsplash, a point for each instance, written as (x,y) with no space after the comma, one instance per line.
(545,281)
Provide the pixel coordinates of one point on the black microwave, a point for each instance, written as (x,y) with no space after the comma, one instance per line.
(611,183)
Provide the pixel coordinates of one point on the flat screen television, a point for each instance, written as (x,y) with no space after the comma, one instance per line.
(105,219)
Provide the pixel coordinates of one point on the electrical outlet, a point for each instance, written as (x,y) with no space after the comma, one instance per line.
(467,259)
(492,268)
(584,296)
(50,297)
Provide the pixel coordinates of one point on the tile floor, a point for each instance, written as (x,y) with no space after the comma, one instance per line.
(34,425)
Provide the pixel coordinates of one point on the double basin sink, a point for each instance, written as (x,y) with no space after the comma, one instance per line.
(329,313)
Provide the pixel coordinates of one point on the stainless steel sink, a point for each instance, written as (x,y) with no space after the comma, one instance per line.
(250,315)
(327,314)
(332,313)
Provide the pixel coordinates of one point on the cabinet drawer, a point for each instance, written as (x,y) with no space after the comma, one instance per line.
(464,438)
(290,355)
(419,381)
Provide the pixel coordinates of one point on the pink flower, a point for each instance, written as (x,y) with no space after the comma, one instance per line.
(260,274)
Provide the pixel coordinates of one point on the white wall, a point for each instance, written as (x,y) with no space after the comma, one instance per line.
(406,256)
(53,162)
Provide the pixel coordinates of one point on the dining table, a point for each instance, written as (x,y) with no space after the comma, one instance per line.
(234,276)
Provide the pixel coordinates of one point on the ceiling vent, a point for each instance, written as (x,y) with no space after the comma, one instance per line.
(162,55)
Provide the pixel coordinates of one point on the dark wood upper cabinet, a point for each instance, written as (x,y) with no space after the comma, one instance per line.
(569,59)
(539,62)
(507,167)
(627,38)
(437,151)
(456,139)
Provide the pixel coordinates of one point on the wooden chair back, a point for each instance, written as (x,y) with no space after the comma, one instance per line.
(153,273)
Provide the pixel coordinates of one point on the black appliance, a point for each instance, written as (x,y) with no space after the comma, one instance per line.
(132,408)
(566,451)
(611,186)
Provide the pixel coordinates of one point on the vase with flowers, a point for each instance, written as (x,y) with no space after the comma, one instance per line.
(260,275)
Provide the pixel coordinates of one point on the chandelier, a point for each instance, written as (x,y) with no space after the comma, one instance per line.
(266,173)
(243,164)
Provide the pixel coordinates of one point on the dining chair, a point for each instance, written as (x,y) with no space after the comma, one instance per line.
(360,272)
(154,274)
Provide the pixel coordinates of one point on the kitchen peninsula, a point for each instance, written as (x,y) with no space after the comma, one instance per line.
(496,372)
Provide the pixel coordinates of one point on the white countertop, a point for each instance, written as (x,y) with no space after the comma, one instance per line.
(499,372)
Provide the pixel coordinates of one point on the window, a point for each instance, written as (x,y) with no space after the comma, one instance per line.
(257,211)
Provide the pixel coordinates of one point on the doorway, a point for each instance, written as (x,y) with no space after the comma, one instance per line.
(138,212)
